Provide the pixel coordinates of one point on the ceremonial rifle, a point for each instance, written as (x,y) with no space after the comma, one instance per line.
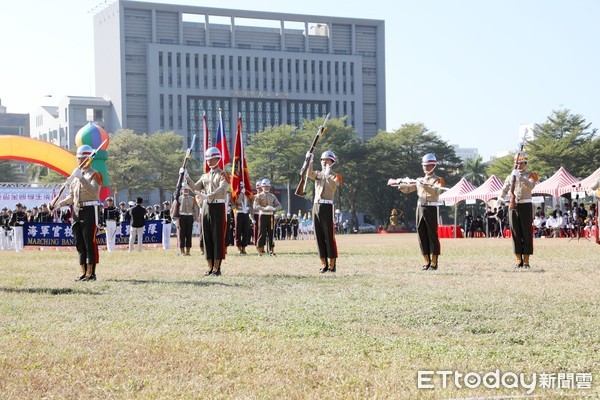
(87,161)
(407,181)
(304,171)
(513,202)
(188,155)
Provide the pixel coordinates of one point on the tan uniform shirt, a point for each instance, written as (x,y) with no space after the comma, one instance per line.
(243,204)
(523,187)
(188,205)
(325,185)
(426,193)
(84,189)
(214,184)
(266,199)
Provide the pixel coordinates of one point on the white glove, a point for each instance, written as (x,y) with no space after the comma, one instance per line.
(183,171)
(269,208)
(200,197)
(419,183)
(21,222)
(77,173)
(245,209)
(516,173)
(309,155)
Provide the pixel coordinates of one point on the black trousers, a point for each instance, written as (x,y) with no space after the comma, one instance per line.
(521,220)
(186,225)
(325,230)
(427,228)
(265,231)
(214,223)
(84,230)
(242,229)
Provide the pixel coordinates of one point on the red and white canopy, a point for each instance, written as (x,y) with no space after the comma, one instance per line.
(462,187)
(584,184)
(561,182)
(488,190)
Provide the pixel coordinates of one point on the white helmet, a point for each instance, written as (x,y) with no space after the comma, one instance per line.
(258,184)
(212,152)
(289,215)
(185,186)
(329,155)
(429,159)
(265,182)
(84,150)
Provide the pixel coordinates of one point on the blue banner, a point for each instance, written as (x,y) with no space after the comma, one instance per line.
(61,234)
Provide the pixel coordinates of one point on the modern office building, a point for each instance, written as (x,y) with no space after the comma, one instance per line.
(162,66)
(60,124)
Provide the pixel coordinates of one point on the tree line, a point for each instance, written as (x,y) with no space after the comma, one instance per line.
(145,162)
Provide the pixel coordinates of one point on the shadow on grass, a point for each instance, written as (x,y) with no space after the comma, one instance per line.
(207,282)
(526,271)
(52,291)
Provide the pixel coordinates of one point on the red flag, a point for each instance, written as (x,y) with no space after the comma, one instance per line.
(205,141)
(240,180)
(221,144)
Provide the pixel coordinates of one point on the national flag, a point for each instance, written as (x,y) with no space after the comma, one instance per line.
(205,140)
(221,144)
(240,181)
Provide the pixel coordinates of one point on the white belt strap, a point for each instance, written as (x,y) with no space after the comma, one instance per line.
(88,203)
(525,201)
(185,213)
(325,201)
(430,203)
(216,201)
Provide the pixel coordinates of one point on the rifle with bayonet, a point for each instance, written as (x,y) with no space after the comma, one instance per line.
(304,171)
(181,179)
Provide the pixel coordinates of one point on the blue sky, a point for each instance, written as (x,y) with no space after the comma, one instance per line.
(472,71)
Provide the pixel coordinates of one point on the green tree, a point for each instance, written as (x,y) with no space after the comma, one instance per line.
(501,166)
(566,140)
(277,153)
(130,163)
(474,170)
(9,172)
(166,158)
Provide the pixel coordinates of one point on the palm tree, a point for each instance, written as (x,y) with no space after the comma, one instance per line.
(474,171)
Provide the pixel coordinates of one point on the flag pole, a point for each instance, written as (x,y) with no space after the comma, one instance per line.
(204,140)
(222,133)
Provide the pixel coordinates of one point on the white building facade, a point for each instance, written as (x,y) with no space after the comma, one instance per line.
(163,66)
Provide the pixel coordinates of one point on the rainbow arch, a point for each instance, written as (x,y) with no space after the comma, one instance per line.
(39,152)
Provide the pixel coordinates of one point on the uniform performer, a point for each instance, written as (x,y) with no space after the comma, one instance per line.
(520,218)
(165,217)
(428,190)
(5,230)
(138,223)
(242,222)
(326,184)
(211,189)
(266,204)
(255,215)
(18,219)
(110,217)
(188,212)
(84,192)
(44,215)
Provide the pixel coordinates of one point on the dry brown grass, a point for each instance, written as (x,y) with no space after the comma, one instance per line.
(273,327)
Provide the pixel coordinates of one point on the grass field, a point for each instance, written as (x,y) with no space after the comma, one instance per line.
(153,327)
